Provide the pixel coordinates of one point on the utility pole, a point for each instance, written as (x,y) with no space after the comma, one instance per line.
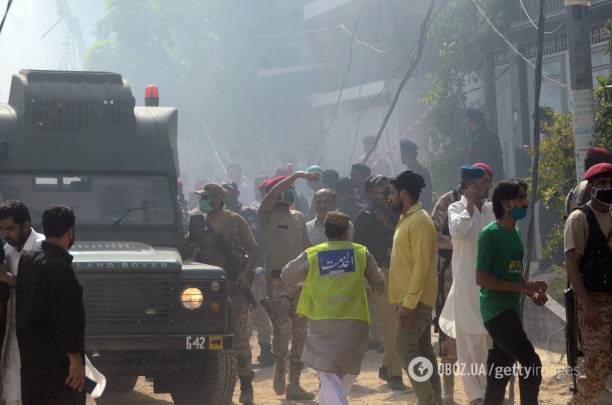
(581,78)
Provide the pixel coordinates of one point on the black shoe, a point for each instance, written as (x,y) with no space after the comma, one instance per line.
(246,390)
(265,358)
(383,374)
(396,383)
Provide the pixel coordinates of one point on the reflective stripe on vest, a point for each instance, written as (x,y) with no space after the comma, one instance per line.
(335,284)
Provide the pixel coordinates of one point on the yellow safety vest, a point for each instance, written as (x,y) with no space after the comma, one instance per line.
(335,284)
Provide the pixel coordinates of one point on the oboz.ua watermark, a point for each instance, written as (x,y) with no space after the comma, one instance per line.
(421,369)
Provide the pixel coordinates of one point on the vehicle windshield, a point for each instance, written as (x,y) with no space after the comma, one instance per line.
(96,199)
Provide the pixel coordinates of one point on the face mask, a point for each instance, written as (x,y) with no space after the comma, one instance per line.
(288,197)
(604,195)
(205,206)
(518,213)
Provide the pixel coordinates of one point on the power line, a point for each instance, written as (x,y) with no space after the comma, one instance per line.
(344,80)
(388,82)
(413,64)
(510,45)
(339,27)
(8,7)
(363,79)
(533,22)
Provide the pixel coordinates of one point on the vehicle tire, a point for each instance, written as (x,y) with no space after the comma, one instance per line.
(120,383)
(211,382)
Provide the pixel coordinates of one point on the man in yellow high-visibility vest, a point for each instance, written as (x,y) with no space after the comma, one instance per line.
(334,300)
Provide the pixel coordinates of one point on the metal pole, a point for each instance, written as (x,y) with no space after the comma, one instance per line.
(581,78)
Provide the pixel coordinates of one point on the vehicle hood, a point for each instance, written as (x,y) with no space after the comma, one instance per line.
(124,256)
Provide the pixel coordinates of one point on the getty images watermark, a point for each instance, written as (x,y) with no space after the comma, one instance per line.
(421,369)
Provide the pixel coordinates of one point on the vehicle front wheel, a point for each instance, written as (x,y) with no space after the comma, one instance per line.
(212,381)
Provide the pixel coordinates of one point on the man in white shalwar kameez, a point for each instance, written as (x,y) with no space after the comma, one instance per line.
(460,317)
(16,230)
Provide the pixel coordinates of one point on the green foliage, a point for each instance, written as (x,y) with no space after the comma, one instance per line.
(454,33)
(558,164)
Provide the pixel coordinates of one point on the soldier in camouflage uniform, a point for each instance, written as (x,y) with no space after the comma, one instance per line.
(225,240)
(448,346)
(284,238)
(588,257)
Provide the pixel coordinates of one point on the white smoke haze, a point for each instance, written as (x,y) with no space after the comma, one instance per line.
(256,83)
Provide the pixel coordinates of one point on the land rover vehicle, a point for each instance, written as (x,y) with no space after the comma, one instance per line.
(76,138)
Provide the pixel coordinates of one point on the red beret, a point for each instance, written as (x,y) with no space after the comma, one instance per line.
(484,167)
(599,154)
(267,185)
(598,170)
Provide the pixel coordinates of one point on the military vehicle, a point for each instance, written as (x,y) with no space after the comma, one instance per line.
(76,138)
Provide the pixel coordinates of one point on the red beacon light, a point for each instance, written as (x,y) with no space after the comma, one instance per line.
(151,96)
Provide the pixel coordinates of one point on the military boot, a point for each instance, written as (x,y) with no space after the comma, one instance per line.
(265,358)
(448,389)
(246,390)
(280,377)
(294,391)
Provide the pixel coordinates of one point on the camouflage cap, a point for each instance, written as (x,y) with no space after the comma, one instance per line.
(337,218)
(211,189)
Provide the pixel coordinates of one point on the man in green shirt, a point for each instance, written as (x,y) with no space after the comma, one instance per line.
(499,273)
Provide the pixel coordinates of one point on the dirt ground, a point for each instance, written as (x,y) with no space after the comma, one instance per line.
(367,390)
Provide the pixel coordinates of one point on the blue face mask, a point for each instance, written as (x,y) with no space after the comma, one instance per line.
(205,206)
(518,213)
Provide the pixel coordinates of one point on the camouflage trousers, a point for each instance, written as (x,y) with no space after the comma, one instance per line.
(448,345)
(239,317)
(597,350)
(286,325)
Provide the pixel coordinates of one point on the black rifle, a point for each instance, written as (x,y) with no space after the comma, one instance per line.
(198,230)
(572,340)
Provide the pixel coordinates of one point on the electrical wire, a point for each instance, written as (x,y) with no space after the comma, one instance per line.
(510,45)
(533,22)
(388,82)
(339,27)
(8,7)
(413,64)
(363,79)
(343,84)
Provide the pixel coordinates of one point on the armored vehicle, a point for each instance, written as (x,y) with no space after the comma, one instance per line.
(76,138)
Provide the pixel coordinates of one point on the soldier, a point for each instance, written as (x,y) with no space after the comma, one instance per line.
(588,256)
(578,195)
(284,238)
(258,315)
(448,346)
(227,241)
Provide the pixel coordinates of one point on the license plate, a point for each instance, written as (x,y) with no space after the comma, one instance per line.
(195,342)
(204,342)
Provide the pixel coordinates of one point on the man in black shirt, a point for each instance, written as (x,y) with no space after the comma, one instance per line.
(374,228)
(345,198)
(51,317)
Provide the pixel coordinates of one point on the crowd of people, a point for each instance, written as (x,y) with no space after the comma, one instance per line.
(364,250)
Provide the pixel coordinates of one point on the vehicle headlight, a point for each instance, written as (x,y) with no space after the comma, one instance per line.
(192,298)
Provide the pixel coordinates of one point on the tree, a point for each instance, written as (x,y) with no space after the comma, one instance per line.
(454,34)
